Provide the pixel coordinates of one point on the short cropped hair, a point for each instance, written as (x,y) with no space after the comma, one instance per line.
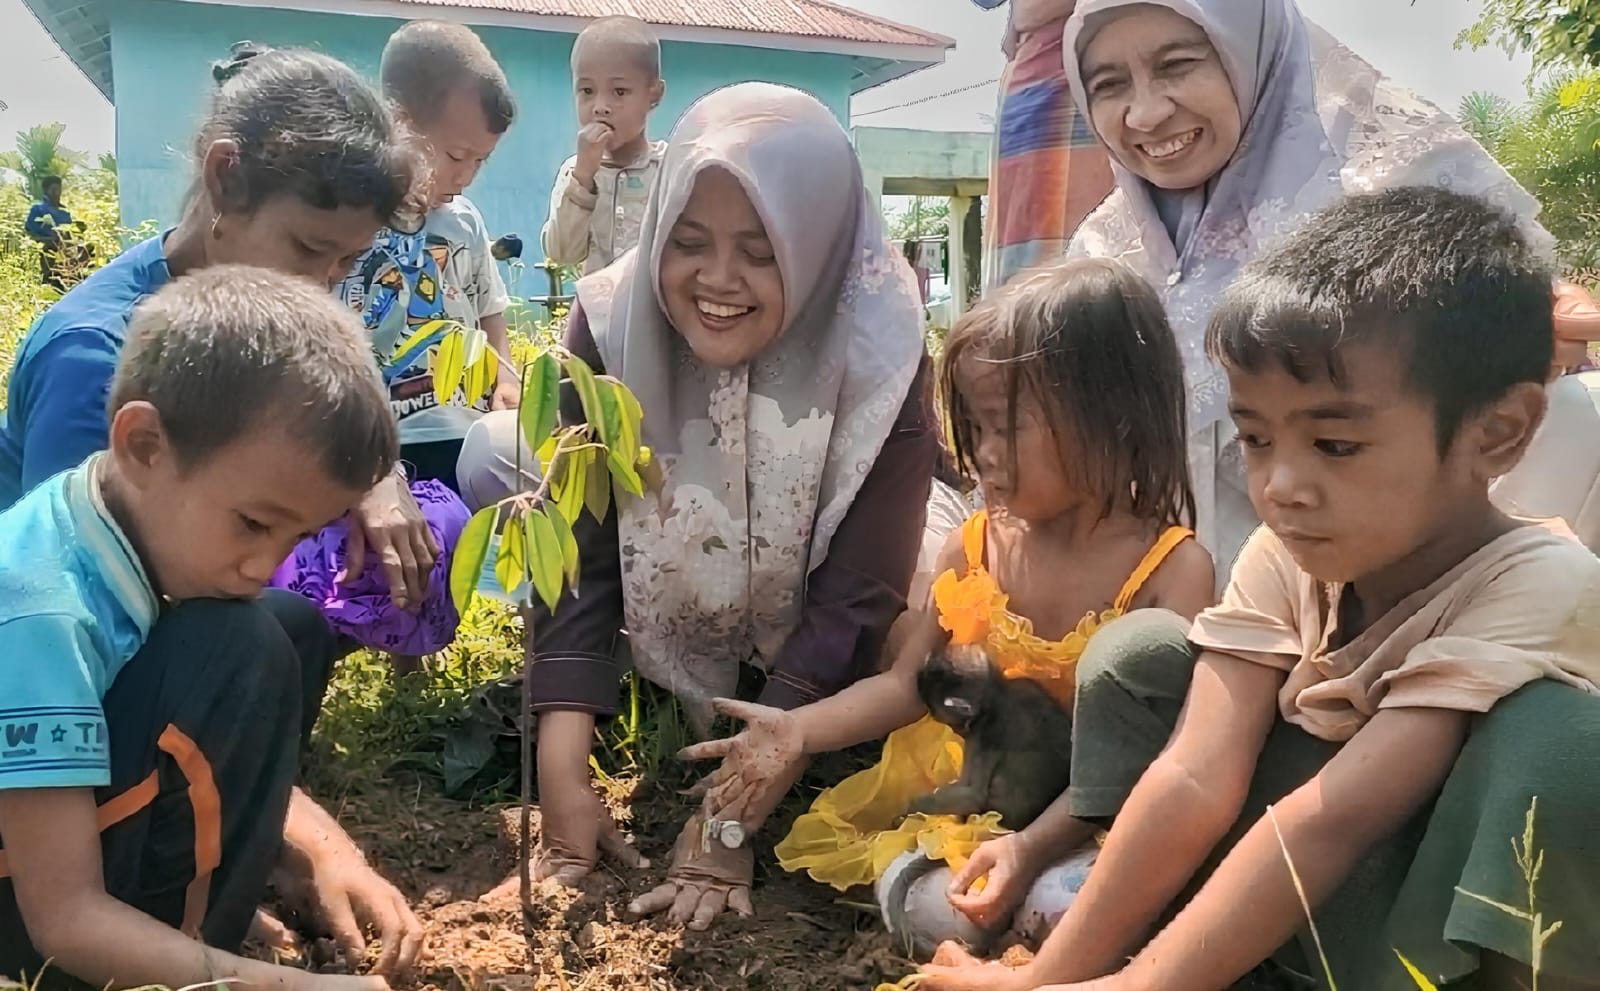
(1447,280)
(627,37)
(425,61)
(230,348)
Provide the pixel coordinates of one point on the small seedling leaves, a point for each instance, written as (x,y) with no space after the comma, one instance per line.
(541,401)
(588,390)
(625,474)
(609,426)
(569,547)
(511,567)
(544,558)
(573,471)
(597,495)
(424,332)
(449,363)
(471,549)
(547,455)
(632,423)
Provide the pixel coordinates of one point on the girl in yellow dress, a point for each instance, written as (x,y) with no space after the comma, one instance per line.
(1064,395)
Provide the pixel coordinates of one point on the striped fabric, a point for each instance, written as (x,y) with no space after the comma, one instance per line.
(1049,172)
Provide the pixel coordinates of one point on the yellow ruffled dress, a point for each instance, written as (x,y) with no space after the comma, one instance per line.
(849,837)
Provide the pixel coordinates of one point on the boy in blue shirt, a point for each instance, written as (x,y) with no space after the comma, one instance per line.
(152,707)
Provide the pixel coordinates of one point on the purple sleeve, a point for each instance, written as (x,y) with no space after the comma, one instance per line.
(574,664)
(856,594)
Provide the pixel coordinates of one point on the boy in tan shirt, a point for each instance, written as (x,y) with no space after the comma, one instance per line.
(597,205)
(1396,672)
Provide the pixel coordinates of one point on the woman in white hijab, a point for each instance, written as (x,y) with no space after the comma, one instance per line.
(774,341)
(1212,167)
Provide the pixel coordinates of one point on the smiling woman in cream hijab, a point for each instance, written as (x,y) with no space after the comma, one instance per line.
(1229,122)
(774,340)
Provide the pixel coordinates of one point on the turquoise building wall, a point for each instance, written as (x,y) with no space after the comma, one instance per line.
(162,53)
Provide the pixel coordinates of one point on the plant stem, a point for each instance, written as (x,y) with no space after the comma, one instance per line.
(525,728)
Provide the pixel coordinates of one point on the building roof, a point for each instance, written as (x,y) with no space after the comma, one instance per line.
(882,50)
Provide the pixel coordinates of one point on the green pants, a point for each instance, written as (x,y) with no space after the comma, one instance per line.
(1422,890)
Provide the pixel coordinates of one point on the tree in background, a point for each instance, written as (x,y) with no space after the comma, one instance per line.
(925,216)
(40,153)
(1554,32)
(1549,146)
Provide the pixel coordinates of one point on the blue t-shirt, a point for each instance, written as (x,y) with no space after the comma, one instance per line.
(44,219)
(75,605)
(61,382)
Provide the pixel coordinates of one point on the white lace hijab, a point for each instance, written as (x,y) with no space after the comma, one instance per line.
(760,462)
(1319,123)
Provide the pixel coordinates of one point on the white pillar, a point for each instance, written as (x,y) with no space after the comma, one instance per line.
(958,262)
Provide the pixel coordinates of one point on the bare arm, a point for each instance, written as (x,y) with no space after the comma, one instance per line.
(1200,782)
(1249,908)
(53,846)
(874,707)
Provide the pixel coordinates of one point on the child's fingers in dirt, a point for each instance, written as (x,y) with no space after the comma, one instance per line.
(266,929)
(402,935)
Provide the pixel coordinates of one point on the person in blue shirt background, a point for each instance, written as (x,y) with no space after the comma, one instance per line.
(298,164)
(47,222)
(153,701)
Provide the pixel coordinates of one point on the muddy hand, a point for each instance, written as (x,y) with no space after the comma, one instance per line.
(759,763)
(954,969)
(390,524)
(705,880)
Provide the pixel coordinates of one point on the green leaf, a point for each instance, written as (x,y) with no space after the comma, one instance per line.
(449,363)
(624,473)
(544,558)
(573,474)
(632,421)
(541,401)
(511,567)
(1416,975)
(471,549)
(547,453)
(588,390)
(621,429)
(569,547)
(597,494)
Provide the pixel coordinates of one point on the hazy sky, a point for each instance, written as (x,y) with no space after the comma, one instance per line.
(1413,43)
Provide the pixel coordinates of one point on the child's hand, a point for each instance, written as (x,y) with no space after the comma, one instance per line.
(954,969)
(347,897)
(1009,867)
(759,764)
(594,140)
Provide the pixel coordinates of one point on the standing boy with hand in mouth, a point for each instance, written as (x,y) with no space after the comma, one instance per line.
(598,202)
